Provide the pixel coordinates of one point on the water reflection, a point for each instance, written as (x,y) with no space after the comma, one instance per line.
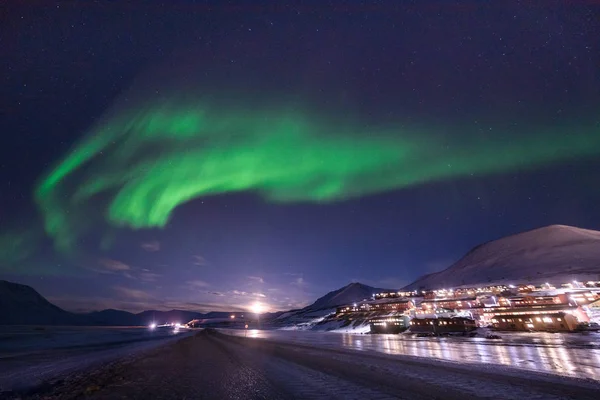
(571,355)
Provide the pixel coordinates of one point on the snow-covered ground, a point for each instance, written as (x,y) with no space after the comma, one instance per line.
(555,254)
(563,354)
(30,356)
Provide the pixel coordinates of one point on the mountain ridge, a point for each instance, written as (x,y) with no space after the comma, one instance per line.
(557,253)
(350,293)
(23,305)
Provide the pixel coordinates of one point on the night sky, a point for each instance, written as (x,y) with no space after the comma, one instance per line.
(209,155)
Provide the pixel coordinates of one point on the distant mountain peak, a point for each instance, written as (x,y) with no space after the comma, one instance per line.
(21,304)
(556,253)
(348,294)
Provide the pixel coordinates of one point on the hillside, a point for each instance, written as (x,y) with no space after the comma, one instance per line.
(110,317)
(319,315)
(348,294)
(22,305)
(554,254)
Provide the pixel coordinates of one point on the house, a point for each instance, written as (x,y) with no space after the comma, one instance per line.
(442,325)
(394,304)
(593,311)
(450,304)
(550,321)
(551,318)
(534,300)
(389,324)
(394,295)
(383,304)
(583,297)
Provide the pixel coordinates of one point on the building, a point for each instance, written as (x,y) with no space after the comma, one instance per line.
(550,321)
(389,324)
(442,325)
(533,300)
(383,304)
(395,295)
(583,297)
(525,288)
(396,304)
(593,311)
(451,304)
(552,318)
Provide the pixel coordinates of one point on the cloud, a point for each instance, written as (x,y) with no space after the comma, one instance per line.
(200,307)
(151,246)
(134,300)
(298,282)
(111,265)
(200,261)
(132,293)
(248,294)
(148,276)
(256,279)
(197,284)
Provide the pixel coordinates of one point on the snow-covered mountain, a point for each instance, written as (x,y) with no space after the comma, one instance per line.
(348,294)
(554,254)
(320,314)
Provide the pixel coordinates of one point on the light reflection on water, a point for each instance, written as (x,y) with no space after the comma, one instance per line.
(572,355)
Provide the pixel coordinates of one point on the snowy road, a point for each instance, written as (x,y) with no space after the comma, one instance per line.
(211,365)
(568,355)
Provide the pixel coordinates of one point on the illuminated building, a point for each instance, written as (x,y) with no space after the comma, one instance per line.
(442,325)
(545,318)
(451,304)
(389,324)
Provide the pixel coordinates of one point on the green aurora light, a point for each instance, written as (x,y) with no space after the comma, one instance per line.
(149,161)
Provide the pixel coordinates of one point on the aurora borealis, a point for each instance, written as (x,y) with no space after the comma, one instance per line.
(157,157)
(205,155)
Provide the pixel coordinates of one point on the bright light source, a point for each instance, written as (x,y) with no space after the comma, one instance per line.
(257,308)
(232,316)
(152,325)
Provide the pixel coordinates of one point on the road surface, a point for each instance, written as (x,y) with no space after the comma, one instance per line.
(212,365)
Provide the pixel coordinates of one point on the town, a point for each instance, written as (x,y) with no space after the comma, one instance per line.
(569,307)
